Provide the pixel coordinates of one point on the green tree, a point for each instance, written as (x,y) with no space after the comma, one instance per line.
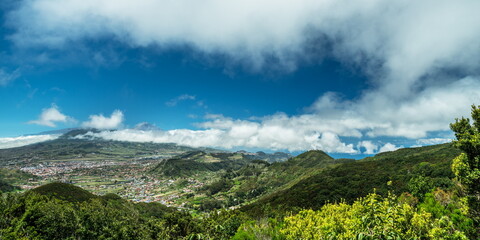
(467,165)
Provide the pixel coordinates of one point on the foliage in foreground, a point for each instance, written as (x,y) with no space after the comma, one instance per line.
(371,217)
(467,166)
(48,213)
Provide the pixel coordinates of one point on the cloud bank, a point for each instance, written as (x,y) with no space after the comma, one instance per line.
(267,138)
(422,59)
(51,116)
(101,122)
(24,140)
(395,35)
(329,120)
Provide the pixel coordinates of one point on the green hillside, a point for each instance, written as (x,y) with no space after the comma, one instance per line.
(66,148)
(258,178)
(310,159)
(355,179)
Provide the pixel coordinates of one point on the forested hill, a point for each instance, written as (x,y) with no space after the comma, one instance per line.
(407,168)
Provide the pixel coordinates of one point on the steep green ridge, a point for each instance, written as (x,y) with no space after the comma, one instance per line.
(301,166)
(309,159)
(427,153)
(351,180)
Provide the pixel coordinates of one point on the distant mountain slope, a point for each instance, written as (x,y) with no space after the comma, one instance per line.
(354,179)
(68,148)
(199,161)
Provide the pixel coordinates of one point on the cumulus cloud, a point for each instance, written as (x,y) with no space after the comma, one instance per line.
(430,111)
(25,140)
(388,147)
(377,114)
(50,116)
(174,101)
(369,146)
(329,120)
(407,48)
(101,122)
(397,35)
(267,137)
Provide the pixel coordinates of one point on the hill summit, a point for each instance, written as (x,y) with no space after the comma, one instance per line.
(64,191)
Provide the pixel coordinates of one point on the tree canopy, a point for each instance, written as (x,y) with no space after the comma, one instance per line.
(467,165)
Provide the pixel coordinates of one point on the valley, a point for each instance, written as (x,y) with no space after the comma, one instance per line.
(140,172)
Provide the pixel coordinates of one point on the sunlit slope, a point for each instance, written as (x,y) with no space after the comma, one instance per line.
(348,181)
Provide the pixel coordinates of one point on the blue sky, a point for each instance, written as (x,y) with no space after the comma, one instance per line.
(354,78)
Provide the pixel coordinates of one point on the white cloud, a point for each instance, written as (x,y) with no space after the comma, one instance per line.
(370,148)
(408,49)
(173,102)
(7,77)
(50,116)
(246,134)
(404,47)
(24,140)
(377,114)
(330,119)
(388,147)
(101,122)
(396,35)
